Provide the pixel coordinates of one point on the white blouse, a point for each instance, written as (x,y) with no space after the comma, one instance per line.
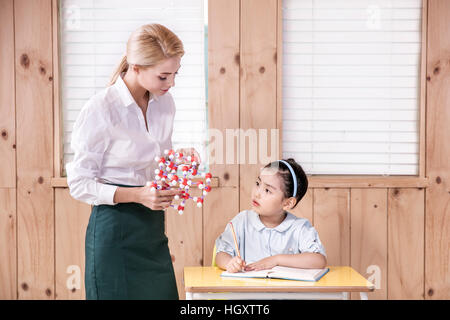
(112,145)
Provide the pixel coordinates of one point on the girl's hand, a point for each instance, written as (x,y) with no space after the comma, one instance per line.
(156,199)
(236,264)
(266,263)
(190,152)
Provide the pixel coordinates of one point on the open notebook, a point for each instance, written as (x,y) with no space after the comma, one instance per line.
(281,273)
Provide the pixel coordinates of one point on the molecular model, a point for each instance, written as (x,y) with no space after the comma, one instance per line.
(167,173)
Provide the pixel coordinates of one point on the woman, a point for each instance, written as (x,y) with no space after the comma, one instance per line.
(115,139)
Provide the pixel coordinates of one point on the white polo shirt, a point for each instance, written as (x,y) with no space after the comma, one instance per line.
(112,145)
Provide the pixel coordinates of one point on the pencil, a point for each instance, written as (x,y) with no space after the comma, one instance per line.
(235,240)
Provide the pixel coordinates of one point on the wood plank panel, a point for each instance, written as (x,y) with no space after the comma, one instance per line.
(7,96)
(305,208)
(332,222)
(258,95)
(185,240)
(34,98)
(279,63)
(368,216)
(406,243)
(8,245)
(221,205)
(437,226)
(71,220)
(8,213)
(223,88)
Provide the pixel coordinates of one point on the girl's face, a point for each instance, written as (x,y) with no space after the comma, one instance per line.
(161,77)
(267,194)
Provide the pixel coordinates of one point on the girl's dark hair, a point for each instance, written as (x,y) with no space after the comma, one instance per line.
(287,178)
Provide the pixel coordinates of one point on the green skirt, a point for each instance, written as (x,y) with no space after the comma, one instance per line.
(127,254)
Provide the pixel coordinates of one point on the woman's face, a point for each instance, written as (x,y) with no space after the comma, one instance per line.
(161,77)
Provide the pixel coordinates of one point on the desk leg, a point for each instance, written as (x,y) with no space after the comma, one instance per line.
(364,296)
(189,296)
(344,295)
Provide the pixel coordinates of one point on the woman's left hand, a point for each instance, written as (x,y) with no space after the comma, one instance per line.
(266,263)
(190,152)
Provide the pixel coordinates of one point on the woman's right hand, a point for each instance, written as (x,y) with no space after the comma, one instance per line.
(156,199)
(235,264)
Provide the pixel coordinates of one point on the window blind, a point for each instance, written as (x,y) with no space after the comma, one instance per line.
(93,37)
(351,84)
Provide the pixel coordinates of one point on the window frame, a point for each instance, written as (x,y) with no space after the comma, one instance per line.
(316,181)
(365,181)
(59,175)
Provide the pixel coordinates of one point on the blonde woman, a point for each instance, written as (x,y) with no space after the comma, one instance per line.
(115,139)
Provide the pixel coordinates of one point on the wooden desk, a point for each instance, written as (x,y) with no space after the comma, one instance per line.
(206,283)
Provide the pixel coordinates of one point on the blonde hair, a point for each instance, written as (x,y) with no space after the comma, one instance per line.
(147,46)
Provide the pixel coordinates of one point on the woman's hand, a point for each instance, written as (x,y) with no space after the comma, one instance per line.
(266,263)
(156,199)
(190,152)
(236,264)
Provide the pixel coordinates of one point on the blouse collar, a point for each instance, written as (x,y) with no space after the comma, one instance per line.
(124,92)
(255,221)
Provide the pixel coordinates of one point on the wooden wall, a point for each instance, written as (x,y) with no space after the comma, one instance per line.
(397,226)
(437,222)
(8,211)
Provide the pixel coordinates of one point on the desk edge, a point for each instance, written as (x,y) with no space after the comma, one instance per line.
(279,289)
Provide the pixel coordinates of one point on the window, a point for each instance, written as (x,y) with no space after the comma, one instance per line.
(351,85)
(93,36)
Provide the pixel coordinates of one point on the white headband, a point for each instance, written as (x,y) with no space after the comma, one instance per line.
(294,177)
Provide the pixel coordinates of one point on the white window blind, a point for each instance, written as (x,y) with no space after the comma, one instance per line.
(351,84)
(93,37)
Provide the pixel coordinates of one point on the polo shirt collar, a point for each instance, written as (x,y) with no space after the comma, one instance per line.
(125,94)
(255,221)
